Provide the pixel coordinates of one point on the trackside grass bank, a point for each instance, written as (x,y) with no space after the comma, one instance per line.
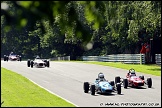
(148,69)
(18,91)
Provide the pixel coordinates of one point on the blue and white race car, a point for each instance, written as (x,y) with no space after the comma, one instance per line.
(101,85)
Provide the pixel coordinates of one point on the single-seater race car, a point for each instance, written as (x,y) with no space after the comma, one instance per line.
(12,57)
(132,80)
(101,85)
(38,62)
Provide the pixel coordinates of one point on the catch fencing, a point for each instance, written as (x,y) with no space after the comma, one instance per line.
(66,58)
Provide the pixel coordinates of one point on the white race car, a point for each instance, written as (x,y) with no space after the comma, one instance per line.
(37,62)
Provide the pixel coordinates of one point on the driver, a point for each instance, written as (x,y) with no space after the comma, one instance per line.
(101,77)
(131,73)
(37,57)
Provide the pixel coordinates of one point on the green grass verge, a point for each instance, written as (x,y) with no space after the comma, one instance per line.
(18,91)
(148,69)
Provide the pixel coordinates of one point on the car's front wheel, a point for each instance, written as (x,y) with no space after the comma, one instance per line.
(32,63)
(118,85)
(48,64)
(92,89)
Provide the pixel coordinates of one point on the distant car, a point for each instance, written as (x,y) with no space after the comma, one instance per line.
(132,80)
(101,86)
(38,62)
(12,57)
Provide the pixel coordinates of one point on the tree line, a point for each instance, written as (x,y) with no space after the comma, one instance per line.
(77,28)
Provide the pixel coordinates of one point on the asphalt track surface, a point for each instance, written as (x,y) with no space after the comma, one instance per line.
(65,79)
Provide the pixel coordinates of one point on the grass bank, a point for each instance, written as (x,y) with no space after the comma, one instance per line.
(148,69)
(18,91)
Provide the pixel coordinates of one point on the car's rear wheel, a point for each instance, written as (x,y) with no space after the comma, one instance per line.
(86,87)
(28,63)
(4,57)
(149,82)
(20,58)
(117,79)
(92,89)
(118,85)
(125,83)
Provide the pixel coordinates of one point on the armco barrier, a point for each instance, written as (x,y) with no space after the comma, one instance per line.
(124,58)
(158,59)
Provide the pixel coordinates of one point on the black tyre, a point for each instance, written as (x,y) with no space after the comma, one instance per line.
(20,58)
(92,89)
(125,83)
(149,82)
(118,85)
(31,63)
(86,87)
(117,79)
(48,64)
(28,63)
(142,77)
(112,83)
(4,57)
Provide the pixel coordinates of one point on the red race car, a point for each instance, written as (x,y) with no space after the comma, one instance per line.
(132,80)
(12,57)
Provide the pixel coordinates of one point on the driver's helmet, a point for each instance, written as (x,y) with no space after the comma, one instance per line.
(132,73)
(11,53)
(37,57)
(101,76)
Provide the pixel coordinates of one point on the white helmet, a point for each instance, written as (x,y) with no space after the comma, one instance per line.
(101,76)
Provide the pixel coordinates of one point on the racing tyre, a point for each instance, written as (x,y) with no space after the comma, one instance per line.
(125,83)
(4,57)
(149,82)
(92,89)
(112,83)
(32,63)
(118,85)
(48,63)
(117,79)
(86,87)
(28,63)
(20,58)
(142,77)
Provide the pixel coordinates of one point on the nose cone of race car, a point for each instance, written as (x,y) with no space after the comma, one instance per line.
(105,86)
(13,57)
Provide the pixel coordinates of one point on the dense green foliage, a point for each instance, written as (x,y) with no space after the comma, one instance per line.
(76,28)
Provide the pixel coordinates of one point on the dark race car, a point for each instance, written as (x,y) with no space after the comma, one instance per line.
(132,80)
(12,57)
(101,85)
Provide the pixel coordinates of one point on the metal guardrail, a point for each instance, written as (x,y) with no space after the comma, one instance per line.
(124,58)
(67,58)
(158,59)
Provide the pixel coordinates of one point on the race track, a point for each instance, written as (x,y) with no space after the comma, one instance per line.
(66,80)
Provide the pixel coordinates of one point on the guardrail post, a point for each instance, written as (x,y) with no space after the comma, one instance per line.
(140,59)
